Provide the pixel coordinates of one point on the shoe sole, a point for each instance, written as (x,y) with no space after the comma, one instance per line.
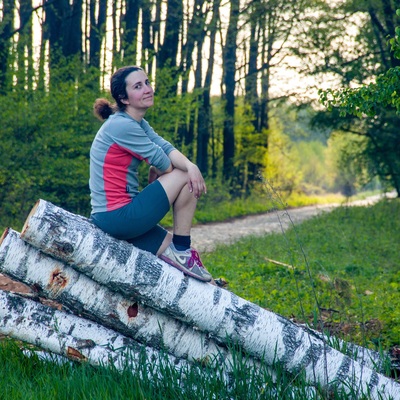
(185,271)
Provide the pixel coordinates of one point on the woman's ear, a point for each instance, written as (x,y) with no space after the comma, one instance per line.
(125,101)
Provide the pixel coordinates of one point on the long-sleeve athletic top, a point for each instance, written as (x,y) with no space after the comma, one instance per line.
(120,145)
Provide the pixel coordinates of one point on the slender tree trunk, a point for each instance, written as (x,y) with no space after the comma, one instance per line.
(130,24)
(251,92)
(229,72)
(24,48)
(167,55)
(72,41)
(6,29)
(97,31)
(148,36)
(259,332)
(204,114)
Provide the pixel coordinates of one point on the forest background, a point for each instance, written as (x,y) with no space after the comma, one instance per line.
(236,90)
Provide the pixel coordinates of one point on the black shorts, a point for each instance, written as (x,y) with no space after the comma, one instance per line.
(137,222)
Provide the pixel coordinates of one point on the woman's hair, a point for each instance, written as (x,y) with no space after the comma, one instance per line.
(102,107)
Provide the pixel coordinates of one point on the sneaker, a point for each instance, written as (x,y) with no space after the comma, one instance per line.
(187,261)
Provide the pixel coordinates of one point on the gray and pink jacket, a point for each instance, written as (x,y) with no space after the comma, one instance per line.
(120,145)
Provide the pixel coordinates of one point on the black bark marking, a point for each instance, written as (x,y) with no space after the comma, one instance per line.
(148,271)
(217,296)
(50,332)
(373,381)
(115,249)
(292,343)
(243,316)
(289,339)
(61,248)
(343,371)
(174,309)
(16,304)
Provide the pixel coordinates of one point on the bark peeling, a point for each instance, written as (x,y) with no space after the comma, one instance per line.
(133,310)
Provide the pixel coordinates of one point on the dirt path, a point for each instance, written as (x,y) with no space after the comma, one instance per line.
(206,237)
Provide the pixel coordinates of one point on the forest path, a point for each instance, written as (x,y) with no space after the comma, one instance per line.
(206,237)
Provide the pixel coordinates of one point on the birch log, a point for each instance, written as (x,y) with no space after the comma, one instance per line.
(78,293)
(56,280)
(71,336)
(259,332)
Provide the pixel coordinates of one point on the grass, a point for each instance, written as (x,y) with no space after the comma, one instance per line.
(31,378)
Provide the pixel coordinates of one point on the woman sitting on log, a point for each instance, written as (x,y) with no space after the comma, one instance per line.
(118,207)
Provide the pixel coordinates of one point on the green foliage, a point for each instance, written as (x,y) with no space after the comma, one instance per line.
(344,272)
(375,105)
(44,143)
(366,100)
(23,378)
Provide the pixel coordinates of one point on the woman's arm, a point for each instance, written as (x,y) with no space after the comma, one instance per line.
(196,181)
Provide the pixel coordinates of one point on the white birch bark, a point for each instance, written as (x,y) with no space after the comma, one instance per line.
(260,333)
(56,280)
(71,336)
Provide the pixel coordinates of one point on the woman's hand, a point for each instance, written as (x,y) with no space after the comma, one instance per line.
(196,182)
(155,173)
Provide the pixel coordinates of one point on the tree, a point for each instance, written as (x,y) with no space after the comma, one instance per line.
(6,33)
(229,84)
(378,106)
(272,26)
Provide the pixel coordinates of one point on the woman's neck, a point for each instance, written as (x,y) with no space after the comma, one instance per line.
(137,115)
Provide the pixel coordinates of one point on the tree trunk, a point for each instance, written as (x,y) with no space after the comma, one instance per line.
(259,332)
(57,281)
(25,70)
(204,116)
(130,24)
(229,71)
(96,32)
(71,336)
(148,36)
(6,31)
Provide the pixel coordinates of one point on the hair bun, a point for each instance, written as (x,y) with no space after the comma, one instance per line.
(102,109)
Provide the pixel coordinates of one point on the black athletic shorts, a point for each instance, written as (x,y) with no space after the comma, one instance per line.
(137,222)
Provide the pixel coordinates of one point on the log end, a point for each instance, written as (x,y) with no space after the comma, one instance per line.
(32,212)
(4,235)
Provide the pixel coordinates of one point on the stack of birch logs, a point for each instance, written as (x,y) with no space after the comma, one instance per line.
(117,302)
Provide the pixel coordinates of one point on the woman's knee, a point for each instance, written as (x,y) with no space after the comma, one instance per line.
(173,183)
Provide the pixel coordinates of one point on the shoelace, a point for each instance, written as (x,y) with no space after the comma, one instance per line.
(195,258)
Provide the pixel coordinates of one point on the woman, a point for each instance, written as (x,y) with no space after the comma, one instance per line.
(123,141)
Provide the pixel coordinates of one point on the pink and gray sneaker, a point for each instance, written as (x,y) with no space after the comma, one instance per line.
(187,261)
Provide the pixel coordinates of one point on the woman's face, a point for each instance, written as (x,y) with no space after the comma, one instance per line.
(140,94)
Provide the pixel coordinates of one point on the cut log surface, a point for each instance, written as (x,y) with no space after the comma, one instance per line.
(56,280)
(69,335)
(260,333)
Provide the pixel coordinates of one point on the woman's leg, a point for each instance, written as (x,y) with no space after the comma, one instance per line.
(182,201)
(184,206)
